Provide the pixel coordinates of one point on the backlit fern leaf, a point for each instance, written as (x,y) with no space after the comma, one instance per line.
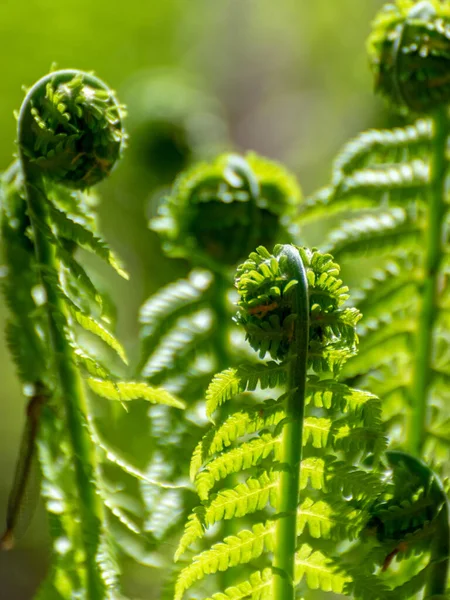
(374,234)
(244,499)
(246,546)
(317,570)
(258,587)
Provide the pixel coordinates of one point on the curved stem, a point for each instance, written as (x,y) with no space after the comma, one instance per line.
(69,384)
(291,445)
(433,255)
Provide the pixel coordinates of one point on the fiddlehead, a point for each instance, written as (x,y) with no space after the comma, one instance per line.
(291,308)
(69,133)
(217,212)
(409,54)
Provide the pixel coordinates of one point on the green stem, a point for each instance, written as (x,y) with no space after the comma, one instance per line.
(440,554)
(222,317)
(222,354)
(434,247)
(291,445)
(69,384)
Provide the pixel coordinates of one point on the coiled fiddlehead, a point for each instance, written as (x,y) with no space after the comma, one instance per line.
(295,463)
(69,133)
(217,212)
(409,52)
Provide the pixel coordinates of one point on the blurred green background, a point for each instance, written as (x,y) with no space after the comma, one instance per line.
(288,79)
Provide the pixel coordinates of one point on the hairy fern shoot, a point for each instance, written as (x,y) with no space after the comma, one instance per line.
(70,135)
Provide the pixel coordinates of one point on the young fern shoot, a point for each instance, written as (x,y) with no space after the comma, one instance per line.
(215,214)
(70,135)
(293,467)
(394,182)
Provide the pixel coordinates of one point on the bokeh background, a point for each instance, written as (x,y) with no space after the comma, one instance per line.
(288,79)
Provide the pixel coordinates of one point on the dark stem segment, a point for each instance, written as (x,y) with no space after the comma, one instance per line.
(440,554)
(20,492)
(69,384)
(292,433)
(434,248)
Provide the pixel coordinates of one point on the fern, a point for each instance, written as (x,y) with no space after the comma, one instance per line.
(70,135)
(255,460)
(390,186)
(213,215)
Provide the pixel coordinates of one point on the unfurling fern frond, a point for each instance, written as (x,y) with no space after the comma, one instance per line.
(391,187)
(70,135)
(215,213)
(290,472)
(411,522)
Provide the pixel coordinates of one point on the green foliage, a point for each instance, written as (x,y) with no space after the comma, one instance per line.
(389,189)
(237,467)
(187,334)
(70,132)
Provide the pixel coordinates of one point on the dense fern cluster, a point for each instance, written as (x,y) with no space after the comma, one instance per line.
(389,186)
(293,487)
(243,449)
(56,313)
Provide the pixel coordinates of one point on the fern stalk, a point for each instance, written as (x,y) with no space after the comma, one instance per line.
(69,380)
(440,555)
(221,312)
(292,435)
(429,310)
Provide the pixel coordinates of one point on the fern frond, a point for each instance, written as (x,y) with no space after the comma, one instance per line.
(341,429)
(318,572)
(258,587)
(246,498)
(375,233)
(246,546)
(124,391)
(248,454)
(70,229)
